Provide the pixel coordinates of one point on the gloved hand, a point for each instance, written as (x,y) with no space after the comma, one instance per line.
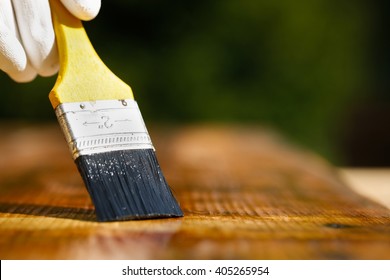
(27,40)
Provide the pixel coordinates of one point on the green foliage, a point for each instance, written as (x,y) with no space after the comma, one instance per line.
(293,65)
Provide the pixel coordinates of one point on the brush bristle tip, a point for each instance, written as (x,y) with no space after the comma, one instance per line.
(127,185)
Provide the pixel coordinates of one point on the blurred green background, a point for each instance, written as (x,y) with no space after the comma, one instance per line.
(317,71)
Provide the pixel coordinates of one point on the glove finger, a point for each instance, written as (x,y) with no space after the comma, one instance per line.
(37,34)
(83,9)
(12,55)
(27,75)
(50,65)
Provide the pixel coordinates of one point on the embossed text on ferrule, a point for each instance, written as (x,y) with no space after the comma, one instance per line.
(102,126)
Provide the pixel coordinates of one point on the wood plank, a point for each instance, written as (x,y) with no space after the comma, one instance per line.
(373,183)
(246,194)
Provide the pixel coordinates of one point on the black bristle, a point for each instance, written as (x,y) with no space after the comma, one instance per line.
(127,185)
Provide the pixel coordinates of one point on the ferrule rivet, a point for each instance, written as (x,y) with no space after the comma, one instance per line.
(82,106)
(124,103)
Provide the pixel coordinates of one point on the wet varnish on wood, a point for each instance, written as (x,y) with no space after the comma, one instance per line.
(245,193)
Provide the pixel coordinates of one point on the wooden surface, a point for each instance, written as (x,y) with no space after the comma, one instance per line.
(373,183)
(245,193)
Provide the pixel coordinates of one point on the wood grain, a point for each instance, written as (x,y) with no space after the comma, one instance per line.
(246,194)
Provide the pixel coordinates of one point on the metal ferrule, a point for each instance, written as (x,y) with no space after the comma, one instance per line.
(103,126)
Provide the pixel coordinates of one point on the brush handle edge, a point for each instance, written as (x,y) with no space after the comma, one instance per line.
(82,76)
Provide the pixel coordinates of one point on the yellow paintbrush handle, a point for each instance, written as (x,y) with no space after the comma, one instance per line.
(82,76)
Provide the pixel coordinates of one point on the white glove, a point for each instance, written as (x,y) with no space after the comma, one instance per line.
(27,40)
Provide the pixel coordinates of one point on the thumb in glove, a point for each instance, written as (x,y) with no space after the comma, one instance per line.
(27,40)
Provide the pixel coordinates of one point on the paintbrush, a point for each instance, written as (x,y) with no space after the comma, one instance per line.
(105,131)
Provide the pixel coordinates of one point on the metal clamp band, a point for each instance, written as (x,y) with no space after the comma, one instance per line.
(102,126)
